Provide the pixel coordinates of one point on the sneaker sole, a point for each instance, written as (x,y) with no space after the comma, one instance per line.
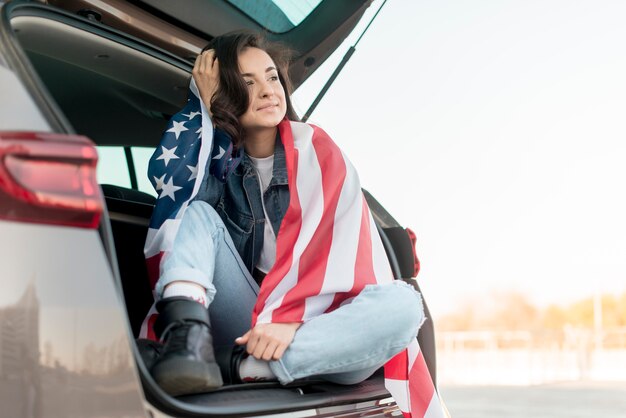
(180,376)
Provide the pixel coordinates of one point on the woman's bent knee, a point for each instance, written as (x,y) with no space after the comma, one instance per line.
(201,214)
(406,310)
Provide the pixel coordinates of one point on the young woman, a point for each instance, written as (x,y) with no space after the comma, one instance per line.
(276,253)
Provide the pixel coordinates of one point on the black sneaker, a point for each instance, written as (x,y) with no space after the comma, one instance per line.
(149,350)
(187,364)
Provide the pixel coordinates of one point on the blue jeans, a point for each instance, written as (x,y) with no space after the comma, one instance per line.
(345,346)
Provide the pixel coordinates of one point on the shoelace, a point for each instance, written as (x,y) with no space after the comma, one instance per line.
(177,337)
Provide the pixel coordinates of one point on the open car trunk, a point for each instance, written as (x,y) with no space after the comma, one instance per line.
(118,90)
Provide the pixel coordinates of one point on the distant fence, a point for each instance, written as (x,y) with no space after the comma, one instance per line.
(527,358)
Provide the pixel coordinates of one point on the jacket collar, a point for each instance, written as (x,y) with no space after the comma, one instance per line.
(279,171)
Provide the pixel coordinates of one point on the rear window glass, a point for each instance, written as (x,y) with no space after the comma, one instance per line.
(113,167)
(277,15)
(141,158)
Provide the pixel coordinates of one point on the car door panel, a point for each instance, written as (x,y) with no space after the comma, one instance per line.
(65,348)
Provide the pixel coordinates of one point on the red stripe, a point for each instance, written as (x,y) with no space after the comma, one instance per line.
(421,387)
(364,264)
(364,267)
(153,265)
(314,259)
(397,367)
(150,334)
(290,226)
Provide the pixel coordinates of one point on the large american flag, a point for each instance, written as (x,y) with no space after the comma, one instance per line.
(327,249)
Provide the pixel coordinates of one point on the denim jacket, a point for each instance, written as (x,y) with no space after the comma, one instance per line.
(238,203)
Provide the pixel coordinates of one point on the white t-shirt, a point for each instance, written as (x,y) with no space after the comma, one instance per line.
(264,168)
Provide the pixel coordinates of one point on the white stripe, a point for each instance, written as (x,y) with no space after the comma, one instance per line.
(206,142)
(339,275)
(399,390)
(161,239)
(194,88)
(309,184)
(275,299)
(382,268)
(413,351)
(435,408)
(317,305)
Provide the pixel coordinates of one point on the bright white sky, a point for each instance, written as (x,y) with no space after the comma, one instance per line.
(496,131)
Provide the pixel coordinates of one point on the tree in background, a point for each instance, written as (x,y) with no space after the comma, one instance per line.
(513,311)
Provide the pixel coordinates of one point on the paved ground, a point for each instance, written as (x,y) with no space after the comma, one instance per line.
(571,400)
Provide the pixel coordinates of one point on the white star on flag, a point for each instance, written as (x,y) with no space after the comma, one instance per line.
(194,172)
(168,154)
(192,115)
(169,189)
(177,128)
(159,182)
(220,155)
(199,132)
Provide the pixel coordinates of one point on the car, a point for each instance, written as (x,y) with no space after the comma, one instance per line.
(86,90)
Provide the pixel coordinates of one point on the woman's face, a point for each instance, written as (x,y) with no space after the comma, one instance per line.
(267,96)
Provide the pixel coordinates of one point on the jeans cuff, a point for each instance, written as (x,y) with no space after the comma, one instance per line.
(279,369)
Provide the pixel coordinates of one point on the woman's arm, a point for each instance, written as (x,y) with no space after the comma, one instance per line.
(207,76)
(222,162)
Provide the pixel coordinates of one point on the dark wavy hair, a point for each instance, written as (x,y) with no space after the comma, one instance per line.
(231,99)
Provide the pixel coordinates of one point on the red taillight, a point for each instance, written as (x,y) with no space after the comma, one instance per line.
(416,261)
(49,178)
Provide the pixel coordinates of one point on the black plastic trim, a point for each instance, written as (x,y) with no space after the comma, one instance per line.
(27,8)
(131,168)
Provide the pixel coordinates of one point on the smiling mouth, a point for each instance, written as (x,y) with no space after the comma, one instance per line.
(268,106)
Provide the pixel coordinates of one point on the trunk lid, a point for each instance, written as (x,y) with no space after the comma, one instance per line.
(311,29)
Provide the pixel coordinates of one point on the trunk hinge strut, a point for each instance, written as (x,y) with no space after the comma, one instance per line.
(335,73)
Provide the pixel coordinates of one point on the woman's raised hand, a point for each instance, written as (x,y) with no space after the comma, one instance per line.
(206,75)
